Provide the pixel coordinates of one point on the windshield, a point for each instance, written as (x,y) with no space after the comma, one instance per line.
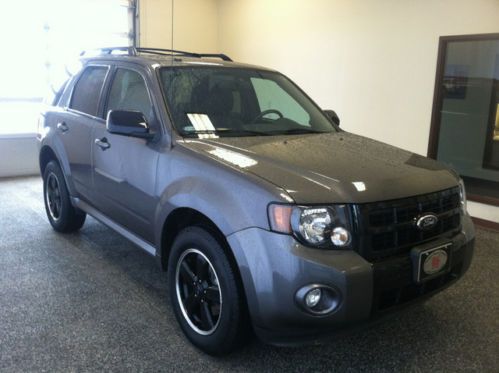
(225,102)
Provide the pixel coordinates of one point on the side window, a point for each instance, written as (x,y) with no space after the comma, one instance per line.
(87,90)
(129,92)
(54,95)
(271,96)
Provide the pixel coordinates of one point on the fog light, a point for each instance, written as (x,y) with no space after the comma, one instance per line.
(318,299)
(340,236)
(313,297)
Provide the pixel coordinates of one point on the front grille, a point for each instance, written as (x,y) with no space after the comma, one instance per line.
(389,228)
(394,286)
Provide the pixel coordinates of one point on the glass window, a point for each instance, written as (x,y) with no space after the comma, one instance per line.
(87,90)
(271,97)
(129,92)
(468,121)
(238,102)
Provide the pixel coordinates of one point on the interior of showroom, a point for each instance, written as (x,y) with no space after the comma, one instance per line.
(418,75)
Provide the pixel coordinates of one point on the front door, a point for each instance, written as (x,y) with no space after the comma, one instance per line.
(124,168)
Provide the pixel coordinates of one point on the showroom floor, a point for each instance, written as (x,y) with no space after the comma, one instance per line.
(91,301)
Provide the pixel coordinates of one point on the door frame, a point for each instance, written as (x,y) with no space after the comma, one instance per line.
(438,100)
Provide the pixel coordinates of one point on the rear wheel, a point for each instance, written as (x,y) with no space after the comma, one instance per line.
(206,297)
(62,215)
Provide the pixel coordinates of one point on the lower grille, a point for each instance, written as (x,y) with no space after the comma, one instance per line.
(389,228)
(394,286)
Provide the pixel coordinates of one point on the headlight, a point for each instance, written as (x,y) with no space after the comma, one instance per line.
(462,195)
(314,226)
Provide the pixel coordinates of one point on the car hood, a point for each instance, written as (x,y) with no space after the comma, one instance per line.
(330,168)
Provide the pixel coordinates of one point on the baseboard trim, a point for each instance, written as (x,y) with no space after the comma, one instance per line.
(486,223)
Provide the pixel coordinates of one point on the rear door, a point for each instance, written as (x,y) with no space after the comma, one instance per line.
(75,125)
(124,168)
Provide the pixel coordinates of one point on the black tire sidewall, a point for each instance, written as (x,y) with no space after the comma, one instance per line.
(67,210)
(226,337)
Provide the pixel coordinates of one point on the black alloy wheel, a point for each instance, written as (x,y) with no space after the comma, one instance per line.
(206,292)
(53,196)
(62,215)
(198,291)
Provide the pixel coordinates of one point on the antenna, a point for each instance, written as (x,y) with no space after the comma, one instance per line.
(173,8)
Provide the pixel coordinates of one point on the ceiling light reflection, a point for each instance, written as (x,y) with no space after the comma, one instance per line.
(237,159)
(359,185)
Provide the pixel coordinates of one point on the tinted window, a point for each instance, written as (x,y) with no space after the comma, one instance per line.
(129,92)
(87,90)
(238,102)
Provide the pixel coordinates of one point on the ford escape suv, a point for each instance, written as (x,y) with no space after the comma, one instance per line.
(267,216)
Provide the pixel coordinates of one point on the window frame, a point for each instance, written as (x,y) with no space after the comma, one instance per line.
(438,97)
(155,122)
(99,102)
(109,87)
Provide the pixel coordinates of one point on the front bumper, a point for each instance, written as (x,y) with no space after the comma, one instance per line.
(274,267)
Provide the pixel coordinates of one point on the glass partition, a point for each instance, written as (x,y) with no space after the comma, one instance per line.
(465,122)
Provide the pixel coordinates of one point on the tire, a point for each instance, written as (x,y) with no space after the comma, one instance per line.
(193,294)
(62,215)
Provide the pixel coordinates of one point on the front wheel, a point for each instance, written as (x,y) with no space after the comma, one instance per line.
(206,297)
(62,215)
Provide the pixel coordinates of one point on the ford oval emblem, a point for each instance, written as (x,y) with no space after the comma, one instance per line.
(427,221)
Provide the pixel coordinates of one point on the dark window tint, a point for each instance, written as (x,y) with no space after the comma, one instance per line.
(87,90)
(129,92)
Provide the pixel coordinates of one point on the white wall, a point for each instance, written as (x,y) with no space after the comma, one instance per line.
(194,24)
(483,211)
(18,155)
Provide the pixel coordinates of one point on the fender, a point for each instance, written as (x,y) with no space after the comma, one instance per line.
(189,179)
(55,144)
(214,201)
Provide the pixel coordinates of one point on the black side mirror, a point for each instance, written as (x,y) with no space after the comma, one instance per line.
(128,123)
(333,117)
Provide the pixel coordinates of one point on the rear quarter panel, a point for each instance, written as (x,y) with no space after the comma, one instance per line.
(48,137)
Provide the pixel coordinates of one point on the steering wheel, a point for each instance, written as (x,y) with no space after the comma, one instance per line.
(267,112)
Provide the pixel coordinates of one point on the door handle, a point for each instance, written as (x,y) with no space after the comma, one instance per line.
(102,143)
(63,127)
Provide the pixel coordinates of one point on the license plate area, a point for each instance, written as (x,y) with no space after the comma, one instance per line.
(431,262)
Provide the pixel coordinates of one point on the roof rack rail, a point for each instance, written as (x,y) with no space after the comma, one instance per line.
(133,51)
(183,53)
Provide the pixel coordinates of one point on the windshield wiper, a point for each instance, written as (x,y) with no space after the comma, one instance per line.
(293,131)
(252,132)
(225,131)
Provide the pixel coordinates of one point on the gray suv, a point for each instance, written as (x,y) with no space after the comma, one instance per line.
(267,216)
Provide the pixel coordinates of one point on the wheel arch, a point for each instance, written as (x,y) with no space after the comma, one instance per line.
(46,155)
(183,217)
